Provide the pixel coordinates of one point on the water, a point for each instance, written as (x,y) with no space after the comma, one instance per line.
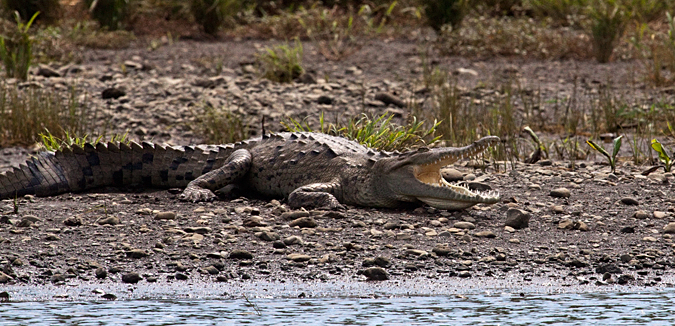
(346,304)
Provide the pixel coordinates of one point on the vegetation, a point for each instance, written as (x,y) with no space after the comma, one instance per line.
(220,125)
(50,9)
(52,143)
(445,12)
(282,63)
(24,113)
(666,157)
(611,158)
(16,52)
(378,132)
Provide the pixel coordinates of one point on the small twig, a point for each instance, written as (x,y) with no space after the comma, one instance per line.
(255,306)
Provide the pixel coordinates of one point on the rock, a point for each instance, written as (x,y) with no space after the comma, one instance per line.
(630,201)
(112,93)
(57,278)
(376,274)
(608,268)
(452,175)
(269,236)
(566,224)
(378,261)
(165,216)
(240,254)
(110,220)
(669,228)
(659,214)
(212,270)
(558,209)
(581,226)
(47,71)
(292,240)
(641,215)
(109,296)
(181,276)
(464,274)
(441,250)
(303,222)
(292,215)
(560,193)
(485,234)
(388,98)
(479,186)
(625,278)
(73,221)
(199,229)
(517,219)
(254,221)
(464,225)
(131,278)
(650,239)
(324,99)
(137,253)
(298,258)
(4,278)
(101,273)
(627,229)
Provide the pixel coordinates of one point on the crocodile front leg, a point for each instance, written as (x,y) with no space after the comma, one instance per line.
(317,195)
(202,188)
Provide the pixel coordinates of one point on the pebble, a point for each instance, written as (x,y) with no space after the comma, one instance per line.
(73,221)
(101,273)
(111,220)
(641,215)
(298,258)
(131,278)
(452,175)
(485,234)
(292,215)
(376,274)
(565,224)
(560,193)
(165,216)
(269,236)
(517,219)
(181,277)
(4,278)
(630,201)
(464,225)
(240,254)
(303,222)
(669,228)
(212,270)
(659,214)
(137,253)
(112,93)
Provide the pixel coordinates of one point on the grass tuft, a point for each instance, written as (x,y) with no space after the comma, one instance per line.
(281,63)
(220,126)
(53,143)
(378,132)
(24,113)
(17,52)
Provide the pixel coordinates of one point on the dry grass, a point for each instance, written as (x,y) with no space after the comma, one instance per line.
(25,113)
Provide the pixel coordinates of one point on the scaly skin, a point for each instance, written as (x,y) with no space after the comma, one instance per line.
(310,169)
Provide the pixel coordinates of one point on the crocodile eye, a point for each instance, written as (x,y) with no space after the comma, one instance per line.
(423,149)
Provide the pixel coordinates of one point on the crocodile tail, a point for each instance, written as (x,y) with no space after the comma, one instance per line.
(78,168)
(42,175)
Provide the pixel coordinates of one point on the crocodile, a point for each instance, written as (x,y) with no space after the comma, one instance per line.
(309,169)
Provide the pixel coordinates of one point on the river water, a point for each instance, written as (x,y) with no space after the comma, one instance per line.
(338,304)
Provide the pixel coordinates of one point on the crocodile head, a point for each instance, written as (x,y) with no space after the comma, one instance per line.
(415,176)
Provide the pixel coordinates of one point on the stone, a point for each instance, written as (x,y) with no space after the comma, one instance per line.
(452,175)
(566,224)
(464,225)
(212,270)
(292,215)
(292,240)
(560,193)
(630,201)
(442,250)
(485,234)
(641,215)
(240,254)
(608,268)
(131,278)
(269,236)
(73,221)
(375,274)
(180,276)
(112,93)
(165,216)
(325,100)
(517,219)
(101,273)
(303,222)
(298,258)
(47,71)
(669,228)
(136,253)
(110,220)
(4,278)
(659,214)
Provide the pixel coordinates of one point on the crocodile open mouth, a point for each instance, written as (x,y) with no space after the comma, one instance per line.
(450,195)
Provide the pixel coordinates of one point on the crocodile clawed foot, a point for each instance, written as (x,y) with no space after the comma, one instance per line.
(195,194)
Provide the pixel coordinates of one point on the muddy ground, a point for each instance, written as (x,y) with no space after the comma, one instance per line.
(600,228)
